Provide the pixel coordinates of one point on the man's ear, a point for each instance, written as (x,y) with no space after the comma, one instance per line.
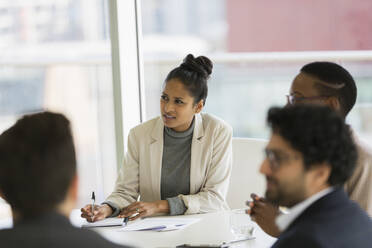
(334,103)
(199,106)
(322,173)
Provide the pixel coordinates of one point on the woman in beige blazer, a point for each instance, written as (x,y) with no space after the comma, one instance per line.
(205,171)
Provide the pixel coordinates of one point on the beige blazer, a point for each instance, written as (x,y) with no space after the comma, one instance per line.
(211,163)
(359,186)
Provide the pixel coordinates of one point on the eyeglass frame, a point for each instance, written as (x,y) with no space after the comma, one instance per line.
(291,99)
(276,161)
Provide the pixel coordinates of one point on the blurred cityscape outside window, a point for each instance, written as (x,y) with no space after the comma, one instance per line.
(55,55)
(257,47)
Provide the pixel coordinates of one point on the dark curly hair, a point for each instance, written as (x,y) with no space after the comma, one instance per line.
(194,74)
(340,83)
(320,135)
(37,163)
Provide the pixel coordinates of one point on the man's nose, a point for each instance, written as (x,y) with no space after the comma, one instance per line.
(265,168)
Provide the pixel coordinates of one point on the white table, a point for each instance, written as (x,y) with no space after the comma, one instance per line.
(213,228)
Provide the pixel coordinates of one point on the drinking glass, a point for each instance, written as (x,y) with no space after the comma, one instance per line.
(241,224)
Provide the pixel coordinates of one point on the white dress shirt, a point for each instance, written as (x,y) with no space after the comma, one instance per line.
(284,220)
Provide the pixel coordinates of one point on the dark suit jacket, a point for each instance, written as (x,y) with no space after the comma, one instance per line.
(332,221)
(51,231)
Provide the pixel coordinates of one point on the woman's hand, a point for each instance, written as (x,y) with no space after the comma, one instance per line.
(142,209)
(99,213)
(264,214)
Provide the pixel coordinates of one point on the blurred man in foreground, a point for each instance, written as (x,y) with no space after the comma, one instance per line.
(38,179)
(309,157)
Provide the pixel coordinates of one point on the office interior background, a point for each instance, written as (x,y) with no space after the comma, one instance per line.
(58,55)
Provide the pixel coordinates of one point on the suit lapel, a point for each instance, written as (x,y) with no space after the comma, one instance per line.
(196,153)
(327,203)
(321,209)
(156,155)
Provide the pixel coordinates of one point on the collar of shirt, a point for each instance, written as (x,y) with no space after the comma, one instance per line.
(284,220)
(174,134)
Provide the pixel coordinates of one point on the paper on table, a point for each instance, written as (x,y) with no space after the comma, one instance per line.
(160,224)
(105,222)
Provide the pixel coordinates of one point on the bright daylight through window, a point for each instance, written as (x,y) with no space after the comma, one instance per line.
(55,55)
(257,51)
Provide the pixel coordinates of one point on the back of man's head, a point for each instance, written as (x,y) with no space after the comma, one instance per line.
(37,163)
(339,83)
(320,135)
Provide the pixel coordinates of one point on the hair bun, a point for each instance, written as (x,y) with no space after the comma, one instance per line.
(201,65)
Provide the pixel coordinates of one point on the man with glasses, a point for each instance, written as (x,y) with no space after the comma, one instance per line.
(329,84)
(309,157)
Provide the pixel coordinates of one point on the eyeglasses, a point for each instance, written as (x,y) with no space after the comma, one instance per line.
(276,160)
(291,99)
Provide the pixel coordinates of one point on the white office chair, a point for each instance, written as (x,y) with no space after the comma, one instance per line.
(248,155)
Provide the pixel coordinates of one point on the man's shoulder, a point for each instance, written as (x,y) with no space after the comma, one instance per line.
(86,237)
(359,185)
(364,150)
(335,208)
(314,233)
(327,222)
(41,236)
(297,238)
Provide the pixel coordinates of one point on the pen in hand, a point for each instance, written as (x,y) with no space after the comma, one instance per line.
(93,201)
(127,218)
(125,221)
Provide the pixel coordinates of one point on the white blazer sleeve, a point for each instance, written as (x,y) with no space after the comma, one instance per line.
(127,184)
(212,195)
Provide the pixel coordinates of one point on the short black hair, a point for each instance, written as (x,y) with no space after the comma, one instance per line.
(37,163)
(194,74)
(335,75)
(319,134)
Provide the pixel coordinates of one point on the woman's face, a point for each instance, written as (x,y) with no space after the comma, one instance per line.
(177,106)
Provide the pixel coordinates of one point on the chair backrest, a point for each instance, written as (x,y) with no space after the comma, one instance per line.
(245,177)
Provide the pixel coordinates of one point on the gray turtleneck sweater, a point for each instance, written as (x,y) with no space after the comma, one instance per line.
(175,171)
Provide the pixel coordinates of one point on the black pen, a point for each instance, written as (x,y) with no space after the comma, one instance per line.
(125,221)
(93,201)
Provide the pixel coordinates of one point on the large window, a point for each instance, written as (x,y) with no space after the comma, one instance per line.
(55,55)
(257,47)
